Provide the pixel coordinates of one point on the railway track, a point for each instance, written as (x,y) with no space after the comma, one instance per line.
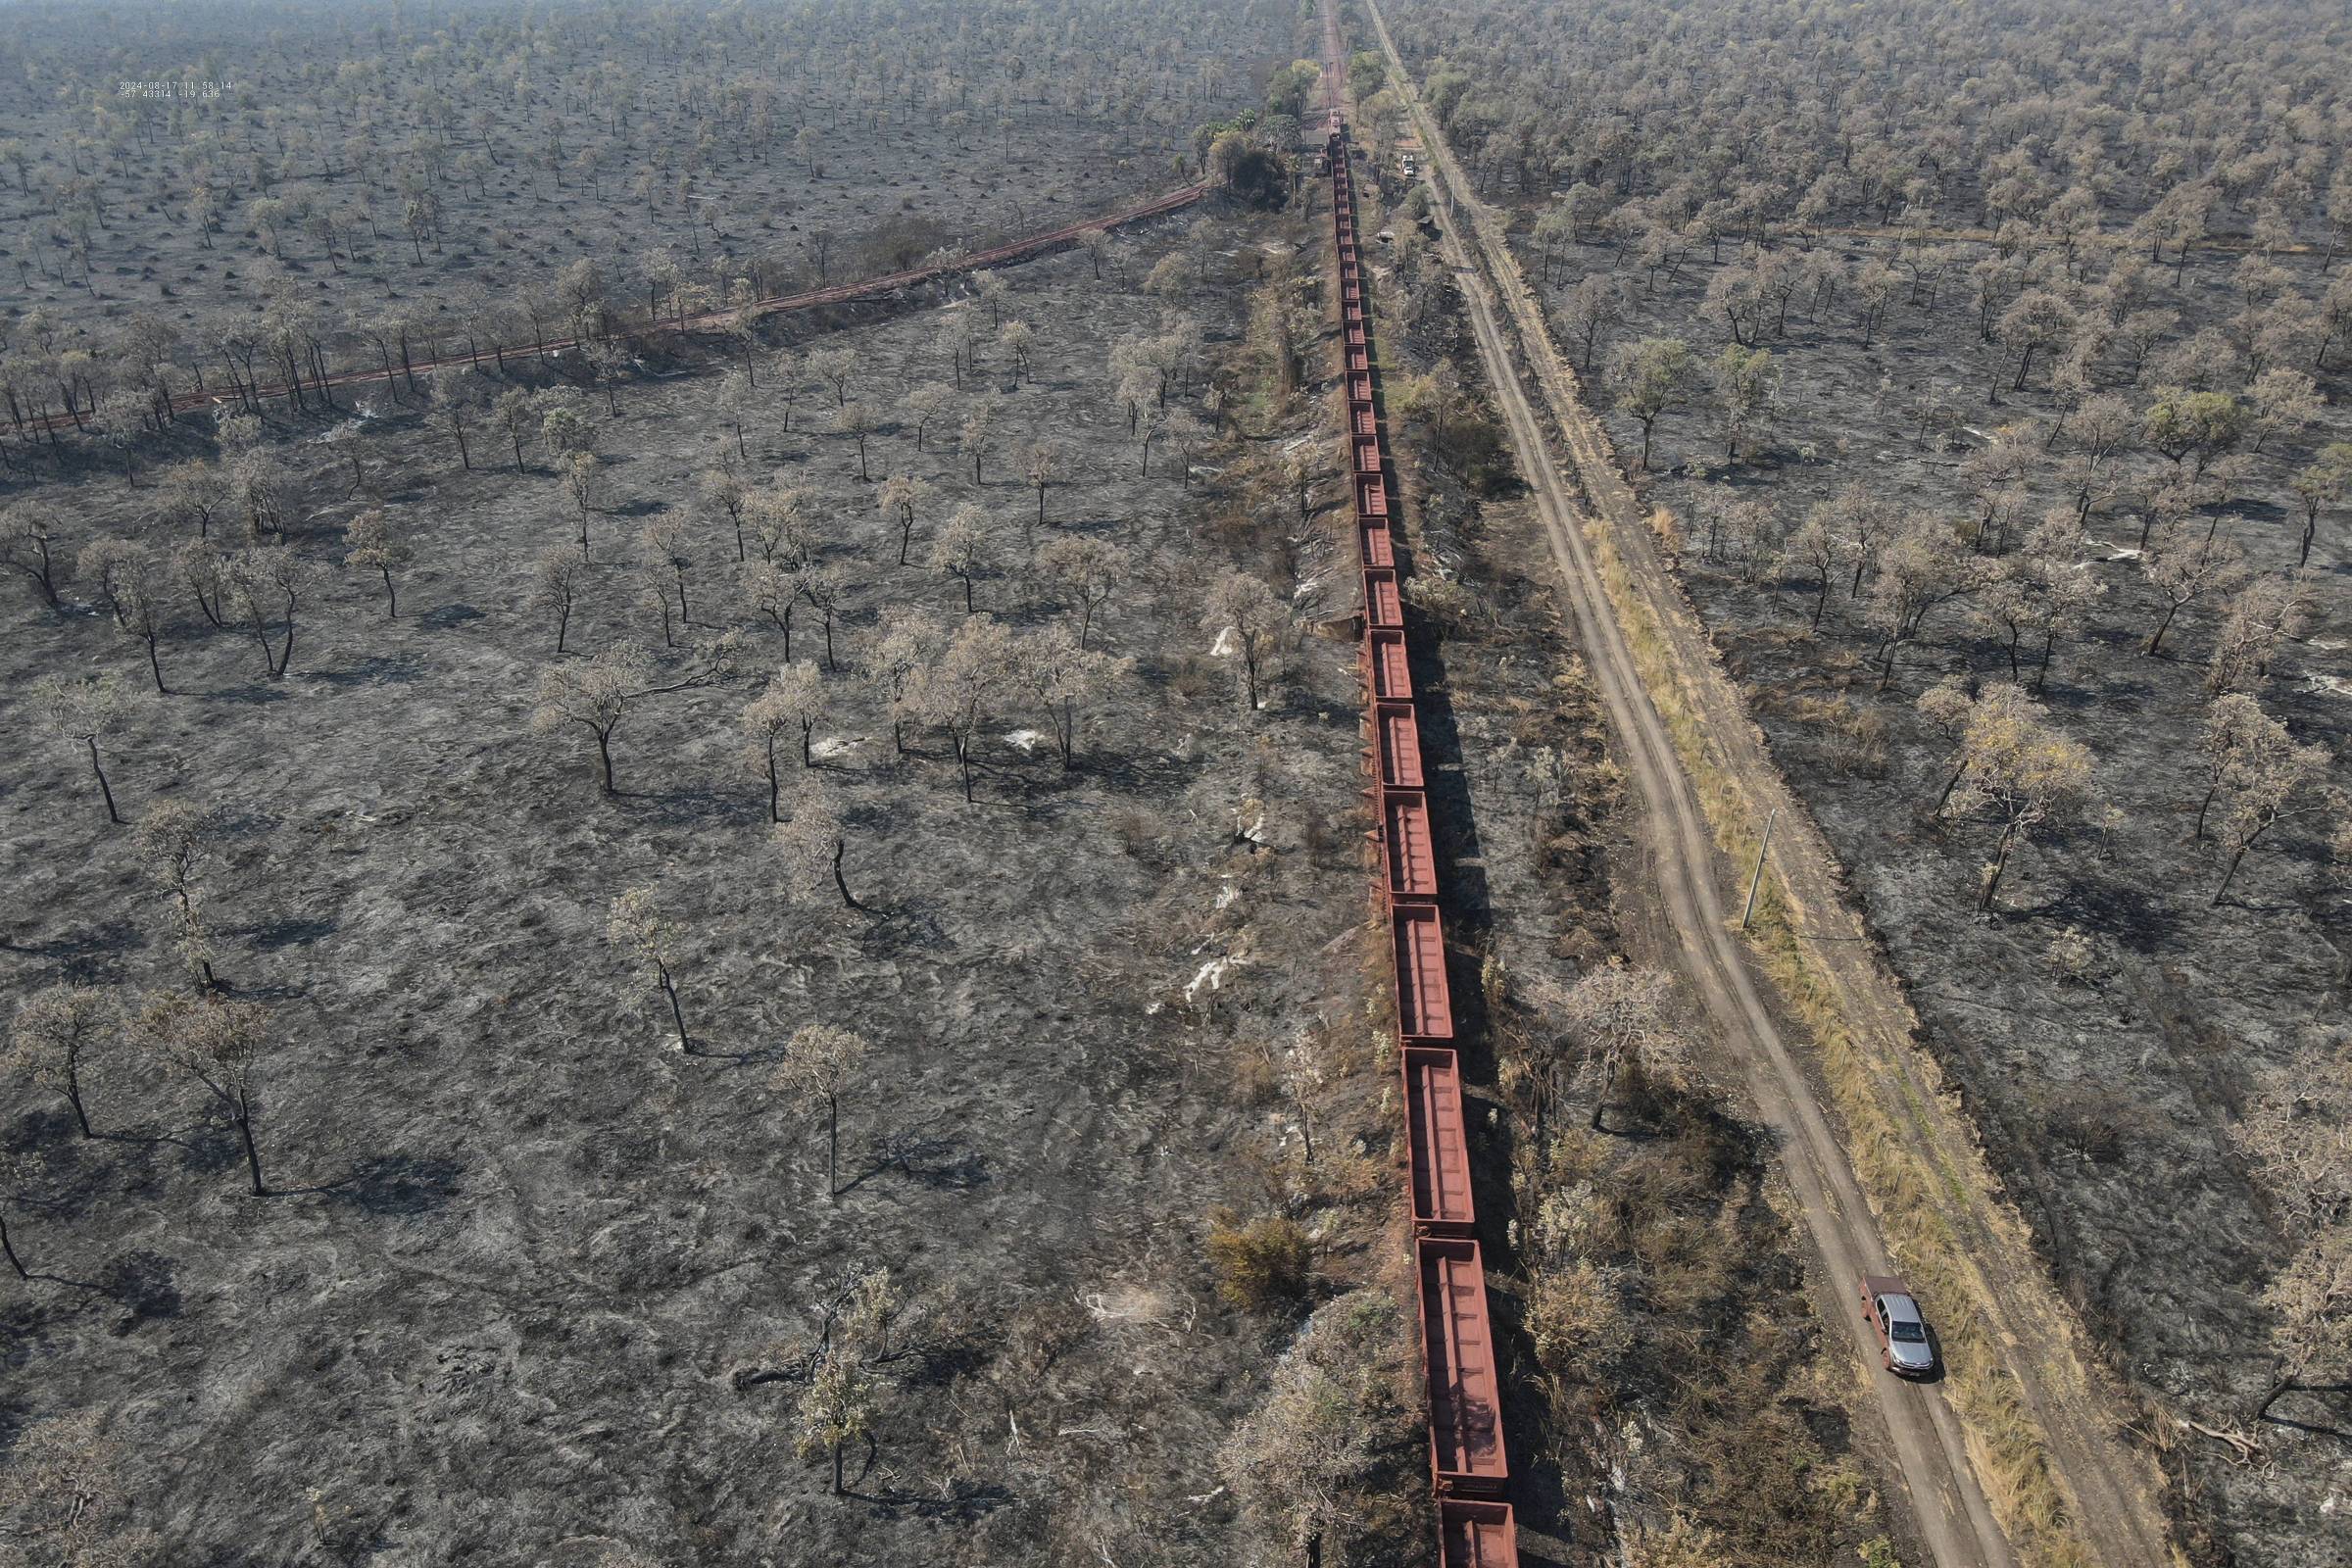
(1468,1455)
(705,320)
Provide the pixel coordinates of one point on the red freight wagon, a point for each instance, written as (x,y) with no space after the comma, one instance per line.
(1371,497)
(1355,334)
(1424,1010)
(1392,679)
(1436,1145)
(1375,545)
(1382,605)
(1465,1414)
(1354,315)
(1367,453)
(1366,422)
(1405,843)
(1359,390)
(1476,1535)
(1397,736)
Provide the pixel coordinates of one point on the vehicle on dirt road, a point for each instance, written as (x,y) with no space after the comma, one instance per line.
(1903,1344)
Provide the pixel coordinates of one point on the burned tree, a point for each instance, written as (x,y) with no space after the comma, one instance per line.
(819,1062)
(634,925)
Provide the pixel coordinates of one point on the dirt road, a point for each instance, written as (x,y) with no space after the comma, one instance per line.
(2110,1508)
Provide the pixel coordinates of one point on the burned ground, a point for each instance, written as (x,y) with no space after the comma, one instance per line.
(782,145)
(2107,1073)
(532,1283)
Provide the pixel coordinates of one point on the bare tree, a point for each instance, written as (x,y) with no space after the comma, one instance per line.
(667,562)
(2184,567)
(1087,571)
(817,1063)
(636,928)
(813,843)
(960,690)
(960,548)
(82,710)
(794,698)
(518,413)
(834,366)
(174,843)
(262,585)
(221,1045)
(55,1030)
(2016,766)
(906,645)
(1043,463)
(1059,673)
(738,396)
(978,433)
(1619,1015)
(583,482)
(372,542)
(2261,616)
(28,531)
(926,404)
(856,419)
(557,576)
(596,695)
(2259,776)
(898,495)
(1249,623)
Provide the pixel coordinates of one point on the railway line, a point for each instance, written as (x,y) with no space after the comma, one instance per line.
(1468,1455)
(53,424)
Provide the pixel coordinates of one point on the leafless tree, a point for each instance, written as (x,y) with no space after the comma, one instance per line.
(583,482)
(27,534)
(959,691)
(2014,765)
(636,928)
(261,586)
(1044,464)
(978,434)
(54,1031)
(819,1062)
(558,577)
(595,695)
(834,366)
(1059,672)
(814,843)
(174,843)
(1087,571)
(372,542)
(82,710)
(904,647)
(926,404)
(221,1045)
(2184,567)
(1249,623)
(960,548)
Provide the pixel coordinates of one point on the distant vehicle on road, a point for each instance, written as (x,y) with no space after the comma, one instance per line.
(1903,1344)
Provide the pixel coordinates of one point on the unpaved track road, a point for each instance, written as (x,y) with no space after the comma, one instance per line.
(2113,1511)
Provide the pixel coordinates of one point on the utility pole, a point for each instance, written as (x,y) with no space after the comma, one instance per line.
(1757,876)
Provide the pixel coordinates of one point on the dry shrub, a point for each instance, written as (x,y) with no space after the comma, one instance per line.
(1263,1264)
(1575,1313)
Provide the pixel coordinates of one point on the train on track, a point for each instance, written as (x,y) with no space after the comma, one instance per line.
(1469,1466)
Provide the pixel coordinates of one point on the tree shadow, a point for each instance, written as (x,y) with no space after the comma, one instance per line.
(381,669)
(395,1185)
(933,1162)
(142,1280)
